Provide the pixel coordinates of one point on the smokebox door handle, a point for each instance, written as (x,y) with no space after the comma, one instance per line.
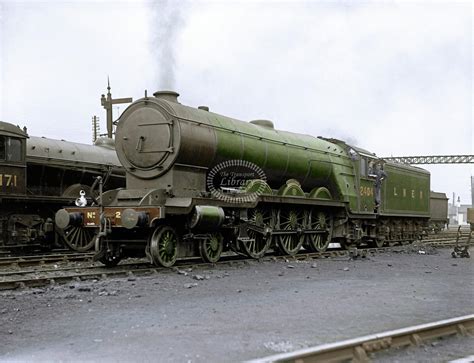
(140,142)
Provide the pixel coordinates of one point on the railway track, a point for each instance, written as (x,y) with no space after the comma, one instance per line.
(13,278)
(34,260)
(57,256)
(27,251)
(39,278)
(68,256)
(359,349)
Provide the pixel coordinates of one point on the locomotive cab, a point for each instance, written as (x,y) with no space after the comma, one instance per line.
(12,159)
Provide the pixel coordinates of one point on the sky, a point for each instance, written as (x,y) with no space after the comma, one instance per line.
(393,77)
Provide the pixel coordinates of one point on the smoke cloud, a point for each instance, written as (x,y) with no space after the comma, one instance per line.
(167,19)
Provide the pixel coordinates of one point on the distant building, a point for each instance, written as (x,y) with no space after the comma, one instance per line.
(458,213)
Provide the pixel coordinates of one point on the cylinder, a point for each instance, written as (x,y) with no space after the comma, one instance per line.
(206,217)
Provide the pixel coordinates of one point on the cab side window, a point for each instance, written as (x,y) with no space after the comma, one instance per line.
(363,167)
(14,150)
(2,147)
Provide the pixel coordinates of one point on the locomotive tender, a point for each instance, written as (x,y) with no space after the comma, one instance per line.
(40,175)
(308,192)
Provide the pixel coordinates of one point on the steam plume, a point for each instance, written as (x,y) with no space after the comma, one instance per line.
(166,23)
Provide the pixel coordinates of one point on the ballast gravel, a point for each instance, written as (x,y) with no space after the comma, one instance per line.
(234,312)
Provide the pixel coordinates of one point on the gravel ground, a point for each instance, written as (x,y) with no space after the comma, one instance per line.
(233,313)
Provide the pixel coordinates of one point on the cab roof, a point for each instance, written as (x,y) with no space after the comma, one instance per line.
(9,129)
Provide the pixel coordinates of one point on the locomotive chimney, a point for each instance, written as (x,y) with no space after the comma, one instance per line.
(170,96)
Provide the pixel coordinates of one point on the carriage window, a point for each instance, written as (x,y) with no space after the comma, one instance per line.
(2,147)
(14,150)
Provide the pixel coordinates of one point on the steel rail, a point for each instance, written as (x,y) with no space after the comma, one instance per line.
(37,256)
(102,272)
(301,255)
(62,279)
(44,259)
(13,272)
(58,276)
(444,241)
(358,349)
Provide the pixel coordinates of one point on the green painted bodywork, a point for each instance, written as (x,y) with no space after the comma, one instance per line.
(203,139)
(314,162)
(207,217)
(406,189)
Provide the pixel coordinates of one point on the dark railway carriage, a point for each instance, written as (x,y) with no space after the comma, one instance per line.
(12,156)
(439,211)
(306,192)
(38,176)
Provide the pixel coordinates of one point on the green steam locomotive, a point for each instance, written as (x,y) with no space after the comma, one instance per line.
(198,183)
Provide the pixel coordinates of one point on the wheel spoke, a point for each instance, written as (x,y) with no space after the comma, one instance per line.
(253,245)
(82,237)
(257,244)
(211,248)
(164,246)
(74,233)
(291,220)
(318,241)
(322,224)
(78,238)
